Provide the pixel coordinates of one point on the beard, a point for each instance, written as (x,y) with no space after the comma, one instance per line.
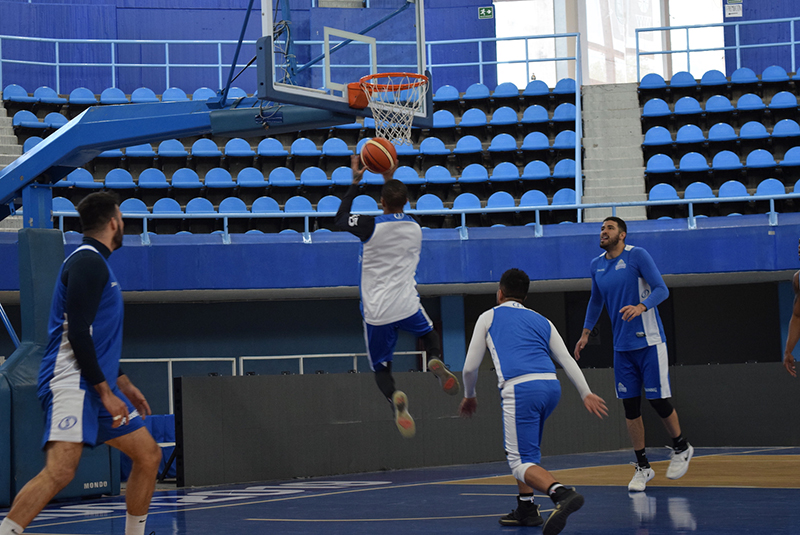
(117,240)
(610,243)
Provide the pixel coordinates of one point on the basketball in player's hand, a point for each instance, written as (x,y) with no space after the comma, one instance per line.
(378,155)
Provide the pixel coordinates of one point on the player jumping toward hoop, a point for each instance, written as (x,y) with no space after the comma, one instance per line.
(391,245)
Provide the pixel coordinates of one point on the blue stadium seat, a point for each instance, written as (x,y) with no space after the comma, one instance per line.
(329,203)
(750,107)
(564,170)
(533,198)
(466,201)
(446,98)
(433,152)
(506,94)
(785,135)
(783,106)
(271,154)
(122,182)
(564,196)
(690,138)
(536,145)
(238,155)
(364,203)
(503,148)
(79,99)
(172,155)
(712,82)
(349,132)
(201,206)
(205,155)
(682,84)
(16,97)
(657,140)
(473,122)
(83,179)
(430,201)
(791,158)
(219,184)
(166,226)
(659,168)
(564,117)
(408,176)
(733,188)
(474,178)
(296,204)
(656,112)
(664,192)
(564,91)
(30,143)
(304,154)
(444,126)
(252,184)
(477,95)
(174,94)
(535,119)
(315,183)
(54,120)
(25,123)
(688,111)
(283,184)
(153,185)
(700,190)
(113,95)
(440,176)
(132,207)
(768,188)
(335,153)
(537,170)
(235,93)
(774,78)
(235,205)
(48,99)
(143,95)
(203,93)
(565,140)
(652,85)
(536,93)
(726,160)
(501,199)
(505,177)
(759,165)
(265,205)
(752,135)
(719,104)
(186,185)
(693,162)
(468,150)
(407,155)
(722,136)
(140,157)
(744,80)
(504,121)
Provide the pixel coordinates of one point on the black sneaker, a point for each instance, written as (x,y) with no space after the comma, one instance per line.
(568,503)
(526,514)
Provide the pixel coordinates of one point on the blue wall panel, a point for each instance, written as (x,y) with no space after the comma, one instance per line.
(760,58)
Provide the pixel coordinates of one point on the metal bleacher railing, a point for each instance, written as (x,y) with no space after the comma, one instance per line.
(738,47)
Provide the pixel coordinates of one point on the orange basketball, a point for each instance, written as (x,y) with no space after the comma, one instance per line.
(378,155)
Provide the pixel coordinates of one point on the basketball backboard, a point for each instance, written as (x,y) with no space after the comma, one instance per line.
(312,50)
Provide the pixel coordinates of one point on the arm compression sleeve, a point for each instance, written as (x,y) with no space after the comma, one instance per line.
(475,353)
(360,225)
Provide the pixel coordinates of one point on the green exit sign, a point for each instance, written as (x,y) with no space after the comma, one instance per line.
(486,12)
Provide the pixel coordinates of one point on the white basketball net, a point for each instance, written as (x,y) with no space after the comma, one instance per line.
(394,98)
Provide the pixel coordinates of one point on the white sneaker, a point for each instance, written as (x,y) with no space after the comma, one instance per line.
(679,462)
(404,421)
(640,478)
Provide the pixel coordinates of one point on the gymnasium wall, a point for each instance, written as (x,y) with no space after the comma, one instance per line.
(760,58)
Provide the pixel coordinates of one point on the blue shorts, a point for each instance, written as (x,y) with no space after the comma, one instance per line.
(526,406)
(381,339)
(642,368)
(76,415)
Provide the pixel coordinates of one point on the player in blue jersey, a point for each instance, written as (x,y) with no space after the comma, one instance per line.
(523,345)
(86,398)
(626,280)
(391,245)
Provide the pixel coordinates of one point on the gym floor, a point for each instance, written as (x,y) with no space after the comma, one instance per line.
(726,491)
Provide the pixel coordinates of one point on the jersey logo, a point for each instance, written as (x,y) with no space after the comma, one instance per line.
(621,388)
(398,216)
(113,284)
(621,265)
(645,293)
(68,422)
(601,269)
(353,220)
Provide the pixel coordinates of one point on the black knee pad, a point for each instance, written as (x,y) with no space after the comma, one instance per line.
(662,406)
(633,407)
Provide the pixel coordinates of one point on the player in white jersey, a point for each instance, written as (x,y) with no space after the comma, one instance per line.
(626,280)
(794,326)
(523,344)
(86,398)
(391,245)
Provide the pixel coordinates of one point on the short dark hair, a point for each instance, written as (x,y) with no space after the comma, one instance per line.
(97,209)
(514,283)
(620,223)
(394,194)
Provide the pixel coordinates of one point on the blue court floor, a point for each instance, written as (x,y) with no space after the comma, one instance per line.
(727,491)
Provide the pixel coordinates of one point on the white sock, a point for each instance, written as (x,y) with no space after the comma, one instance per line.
(134,525)
(9,527)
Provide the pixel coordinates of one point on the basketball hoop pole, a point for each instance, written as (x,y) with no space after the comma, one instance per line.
(221,102)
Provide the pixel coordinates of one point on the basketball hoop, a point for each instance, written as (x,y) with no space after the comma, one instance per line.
(394,98)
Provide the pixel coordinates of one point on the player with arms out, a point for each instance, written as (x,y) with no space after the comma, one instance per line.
(391,245)
(86,397)
(523,345)
(626,280)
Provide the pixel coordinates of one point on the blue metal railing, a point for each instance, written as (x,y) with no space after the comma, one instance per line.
(772,214)
(737,46)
